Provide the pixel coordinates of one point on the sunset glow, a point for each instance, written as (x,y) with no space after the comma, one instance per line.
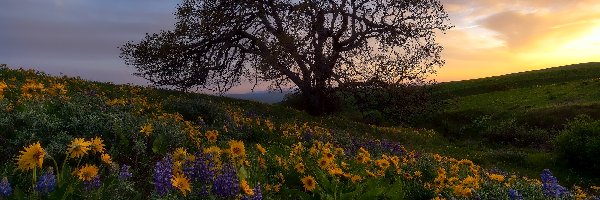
(499,37)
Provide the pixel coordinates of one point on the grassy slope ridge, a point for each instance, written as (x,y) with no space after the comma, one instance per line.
(542,98)
(548,76)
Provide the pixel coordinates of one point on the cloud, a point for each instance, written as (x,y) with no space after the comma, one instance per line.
(78,37)
(497,37)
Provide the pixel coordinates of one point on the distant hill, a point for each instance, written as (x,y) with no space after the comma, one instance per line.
(261,96)
(548,76)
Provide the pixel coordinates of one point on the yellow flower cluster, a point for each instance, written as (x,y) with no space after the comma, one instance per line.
(33,157)
(3,87)
(464,177)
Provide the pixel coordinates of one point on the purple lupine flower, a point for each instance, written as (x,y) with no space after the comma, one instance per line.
(163,175)
(201,171)
(94,183)
(226,183)
(257,193)
(124,173)
(551,186)
(307,136)
(46,183)
(514,195)
(5,189)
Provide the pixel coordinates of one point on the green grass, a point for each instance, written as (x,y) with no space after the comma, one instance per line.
(541,99)
(535,78)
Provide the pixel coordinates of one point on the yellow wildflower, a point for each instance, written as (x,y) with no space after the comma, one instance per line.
(32,157)
(57,89)
(261,149)
(2,87)
(462,191)
(437,157)
(106,159)
(78,148)
(418,174)
(182,183)
(309,183)
(382,163)
(329,156)
(147,129)
(97,145)
(324,163)
(356,178)
(336,171)
(246,188)
(496,177)
(87,173)
(313,151)
(211,136)
(236,148)
(363,156)
(269,124)
(182,155)
(300,167)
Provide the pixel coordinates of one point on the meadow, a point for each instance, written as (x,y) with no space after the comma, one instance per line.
(67,138)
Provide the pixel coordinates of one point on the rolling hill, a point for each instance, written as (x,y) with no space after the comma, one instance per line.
(106,141)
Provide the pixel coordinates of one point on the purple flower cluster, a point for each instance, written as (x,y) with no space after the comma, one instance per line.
(551,186)
(226,183)
(5,189)
(124,173)
(162,175)
(94,183)
(514,195)
(257,193)
(46,183)
(201,170)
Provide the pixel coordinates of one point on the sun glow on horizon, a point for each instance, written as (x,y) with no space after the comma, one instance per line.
(496,38)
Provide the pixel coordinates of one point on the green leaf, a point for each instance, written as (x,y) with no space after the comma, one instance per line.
(159,146)
(243,173)
(323,182)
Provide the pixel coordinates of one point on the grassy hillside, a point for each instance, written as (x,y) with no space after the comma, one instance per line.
(67,138)
(542,98)
(535,78)
(513,119)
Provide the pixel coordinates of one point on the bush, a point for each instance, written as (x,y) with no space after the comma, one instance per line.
(508,131)
(579,143)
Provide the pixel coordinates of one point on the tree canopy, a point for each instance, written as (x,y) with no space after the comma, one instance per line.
(312,45)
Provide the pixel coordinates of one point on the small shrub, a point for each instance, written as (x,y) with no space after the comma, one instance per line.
(579,143)
(508,131)
(373,117)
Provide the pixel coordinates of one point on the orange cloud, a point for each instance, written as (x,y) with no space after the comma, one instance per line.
(498,37)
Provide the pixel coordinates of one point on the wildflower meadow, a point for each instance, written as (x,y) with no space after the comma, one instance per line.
(66,138)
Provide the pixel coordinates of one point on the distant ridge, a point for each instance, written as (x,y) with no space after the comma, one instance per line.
(547,76)
(261,96)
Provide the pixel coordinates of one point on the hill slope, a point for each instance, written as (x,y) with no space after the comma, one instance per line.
(543,98)
(101,141)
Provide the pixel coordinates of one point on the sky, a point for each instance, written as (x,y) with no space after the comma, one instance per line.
(491,37)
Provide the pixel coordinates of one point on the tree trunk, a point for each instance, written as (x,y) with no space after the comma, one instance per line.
(317,101)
